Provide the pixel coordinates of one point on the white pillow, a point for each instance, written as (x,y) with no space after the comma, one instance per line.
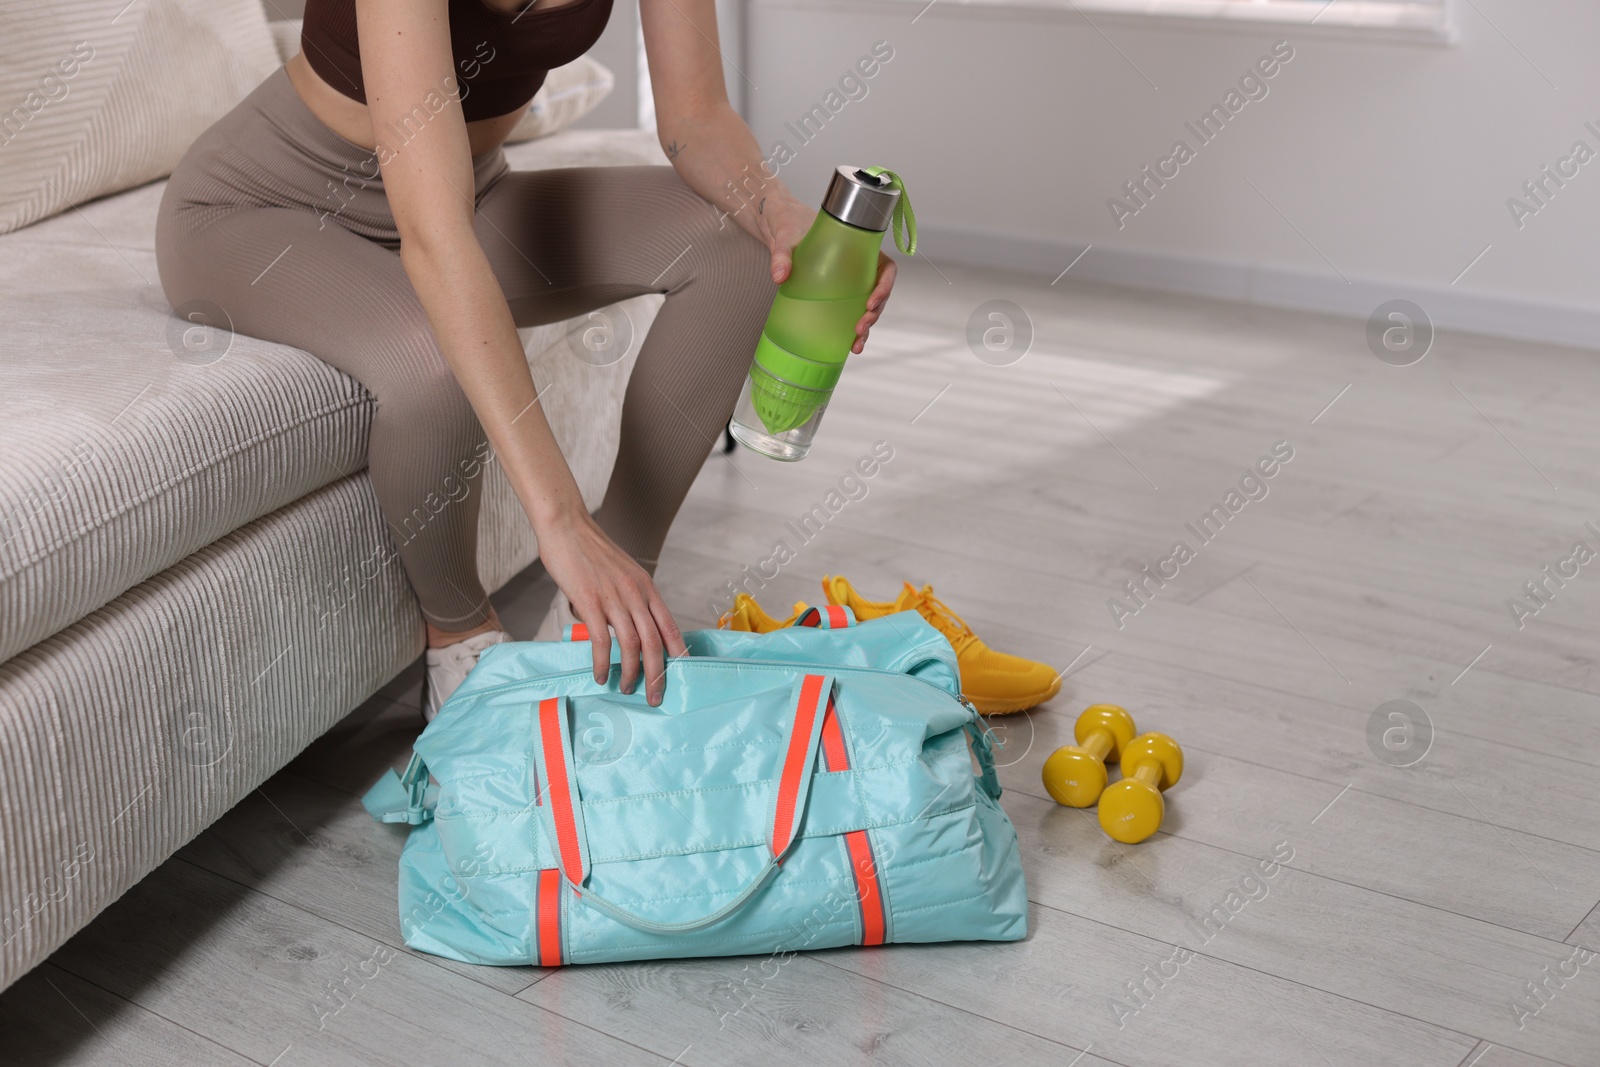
(97,96)
(286,35)
(569,92)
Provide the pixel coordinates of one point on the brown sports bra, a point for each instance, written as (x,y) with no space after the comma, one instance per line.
(501,59)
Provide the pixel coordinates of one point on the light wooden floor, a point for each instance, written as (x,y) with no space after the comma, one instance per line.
(1419,904)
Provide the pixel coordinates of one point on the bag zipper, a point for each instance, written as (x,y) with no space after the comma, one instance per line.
(731,661)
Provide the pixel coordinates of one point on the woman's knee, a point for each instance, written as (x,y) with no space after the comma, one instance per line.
(427,450)
(713,239)
(416,392)
(746,261)
(731,272)
(744,255)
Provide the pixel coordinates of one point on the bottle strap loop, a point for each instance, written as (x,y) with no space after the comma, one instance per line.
(904,219)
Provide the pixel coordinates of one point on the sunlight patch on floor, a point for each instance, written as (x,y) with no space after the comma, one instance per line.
(1110,391)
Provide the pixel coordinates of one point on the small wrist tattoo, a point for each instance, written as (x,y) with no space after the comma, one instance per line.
(673,149)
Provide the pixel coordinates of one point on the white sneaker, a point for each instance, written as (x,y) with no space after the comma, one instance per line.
(449,666)
(556,620)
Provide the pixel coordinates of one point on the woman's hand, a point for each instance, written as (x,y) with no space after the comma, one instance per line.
(875,302)
(607,588)
(782,220)
(785,221)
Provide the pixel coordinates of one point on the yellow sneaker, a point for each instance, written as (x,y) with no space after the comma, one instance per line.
(747,616)
(995,683)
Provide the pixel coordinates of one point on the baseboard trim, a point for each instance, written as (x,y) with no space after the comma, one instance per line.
(1270,285)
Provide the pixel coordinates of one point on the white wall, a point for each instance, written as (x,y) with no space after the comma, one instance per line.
(1014,126)
(617,48)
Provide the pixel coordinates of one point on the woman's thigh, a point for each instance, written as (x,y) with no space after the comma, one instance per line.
(284,274)
(567,240)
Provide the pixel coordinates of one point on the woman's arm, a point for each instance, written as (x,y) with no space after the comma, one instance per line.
(712,147)
(405,57)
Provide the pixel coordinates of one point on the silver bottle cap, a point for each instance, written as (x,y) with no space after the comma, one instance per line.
(860,199)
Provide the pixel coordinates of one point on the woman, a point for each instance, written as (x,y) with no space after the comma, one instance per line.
(358,204)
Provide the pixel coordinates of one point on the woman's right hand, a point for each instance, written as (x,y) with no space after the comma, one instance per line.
(606,587)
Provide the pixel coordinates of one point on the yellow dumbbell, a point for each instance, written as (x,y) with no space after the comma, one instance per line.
(1075,774)
(1131,810)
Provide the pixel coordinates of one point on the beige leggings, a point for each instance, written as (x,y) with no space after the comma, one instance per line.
(283,225)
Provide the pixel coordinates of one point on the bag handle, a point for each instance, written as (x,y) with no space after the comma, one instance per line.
(827,617)
(561,809)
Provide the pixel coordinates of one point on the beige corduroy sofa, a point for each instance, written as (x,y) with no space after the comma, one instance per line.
(191,587)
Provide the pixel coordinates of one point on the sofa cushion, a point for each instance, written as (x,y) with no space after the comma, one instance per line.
(95,102)
(118,455)
(126,445)
(124,452)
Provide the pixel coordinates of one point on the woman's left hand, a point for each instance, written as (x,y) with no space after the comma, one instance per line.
(875,302)
(785,220)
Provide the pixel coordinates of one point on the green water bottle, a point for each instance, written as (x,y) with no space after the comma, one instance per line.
(813,319)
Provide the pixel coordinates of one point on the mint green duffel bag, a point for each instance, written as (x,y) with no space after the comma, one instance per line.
(803,789)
